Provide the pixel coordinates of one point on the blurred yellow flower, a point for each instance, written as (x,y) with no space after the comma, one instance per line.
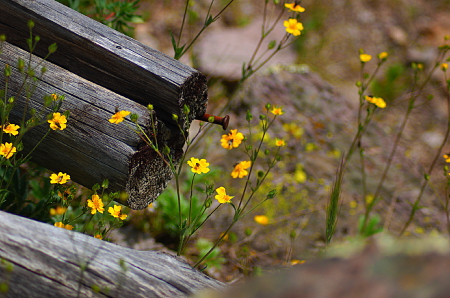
(447,157)
(7,150)
(60,178)
(96,204)
(280,142)
(222,196)
(240,170)
(382,55)
(297,262)
(98,236)
(116,212)
(378,101)
(365,58)
(294,7)
(293,27)
(261,219)
(444,66)
(59,210)
(231,140)
(278,111)
(54,97)
(198,166)
(11,129)
(369,199)
(293,129)
(61,225)
(119,116)
(58,122)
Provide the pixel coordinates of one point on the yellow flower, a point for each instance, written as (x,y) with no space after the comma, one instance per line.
(297,262)
(369,199)
(447,157)
(7,150)
(222,196)
(278,111)
(365,58)
(96,204)
(198,166)
(231,140)
(378,101)
(54,97)
(60,178)
(419,66)
(280,142)
(119,116)
(116,212)
(294,7)
(261,219)
(382,55)
(12,129)
(61,225)
(59,210)
(98,236)
(293,27)
(444,66)
(240,170)
(58,121)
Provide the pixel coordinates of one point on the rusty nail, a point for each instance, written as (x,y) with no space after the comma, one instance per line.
(217,120)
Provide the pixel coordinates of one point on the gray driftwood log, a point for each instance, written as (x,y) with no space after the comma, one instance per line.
(100,70)
(48,261)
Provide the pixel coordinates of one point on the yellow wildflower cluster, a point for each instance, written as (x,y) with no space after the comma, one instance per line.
(60,178)
(293,26)
(240,170)
(11,129)
(7,150)
(96,204)
(119,117)
(378,101)
(198,166)
(231,140)
(222,196)
(58,121)
(61,225)
(447,158)
(117,212)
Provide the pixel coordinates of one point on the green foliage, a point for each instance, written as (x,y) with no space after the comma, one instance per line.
(392,84)
(113,13)
(214,259)
(373,226)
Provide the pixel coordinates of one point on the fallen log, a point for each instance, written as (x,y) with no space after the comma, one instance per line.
(54,262)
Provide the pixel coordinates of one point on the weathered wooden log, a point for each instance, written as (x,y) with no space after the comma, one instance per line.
(91,149)
(54,262)
(98,70)
(106,57)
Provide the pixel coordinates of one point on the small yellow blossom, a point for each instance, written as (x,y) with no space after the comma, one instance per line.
(11,129)
(353,204)
(60,178)
(96,204)
(7,150)
(277,111)
(293,27)
(297,262)
(98,236)
(119,116)
(369,199)
(293,129)
(58,122)
(365,58)
(61,225)
(444,66)
(447,157)
(378,101)
(419,66)
(280,142)
(261,219)
(59,210)
(294,7)
(198,166)
(222,196)
(54,97)
(240,170)
(419,230)
(231,140)
(116,212)
(382,55)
